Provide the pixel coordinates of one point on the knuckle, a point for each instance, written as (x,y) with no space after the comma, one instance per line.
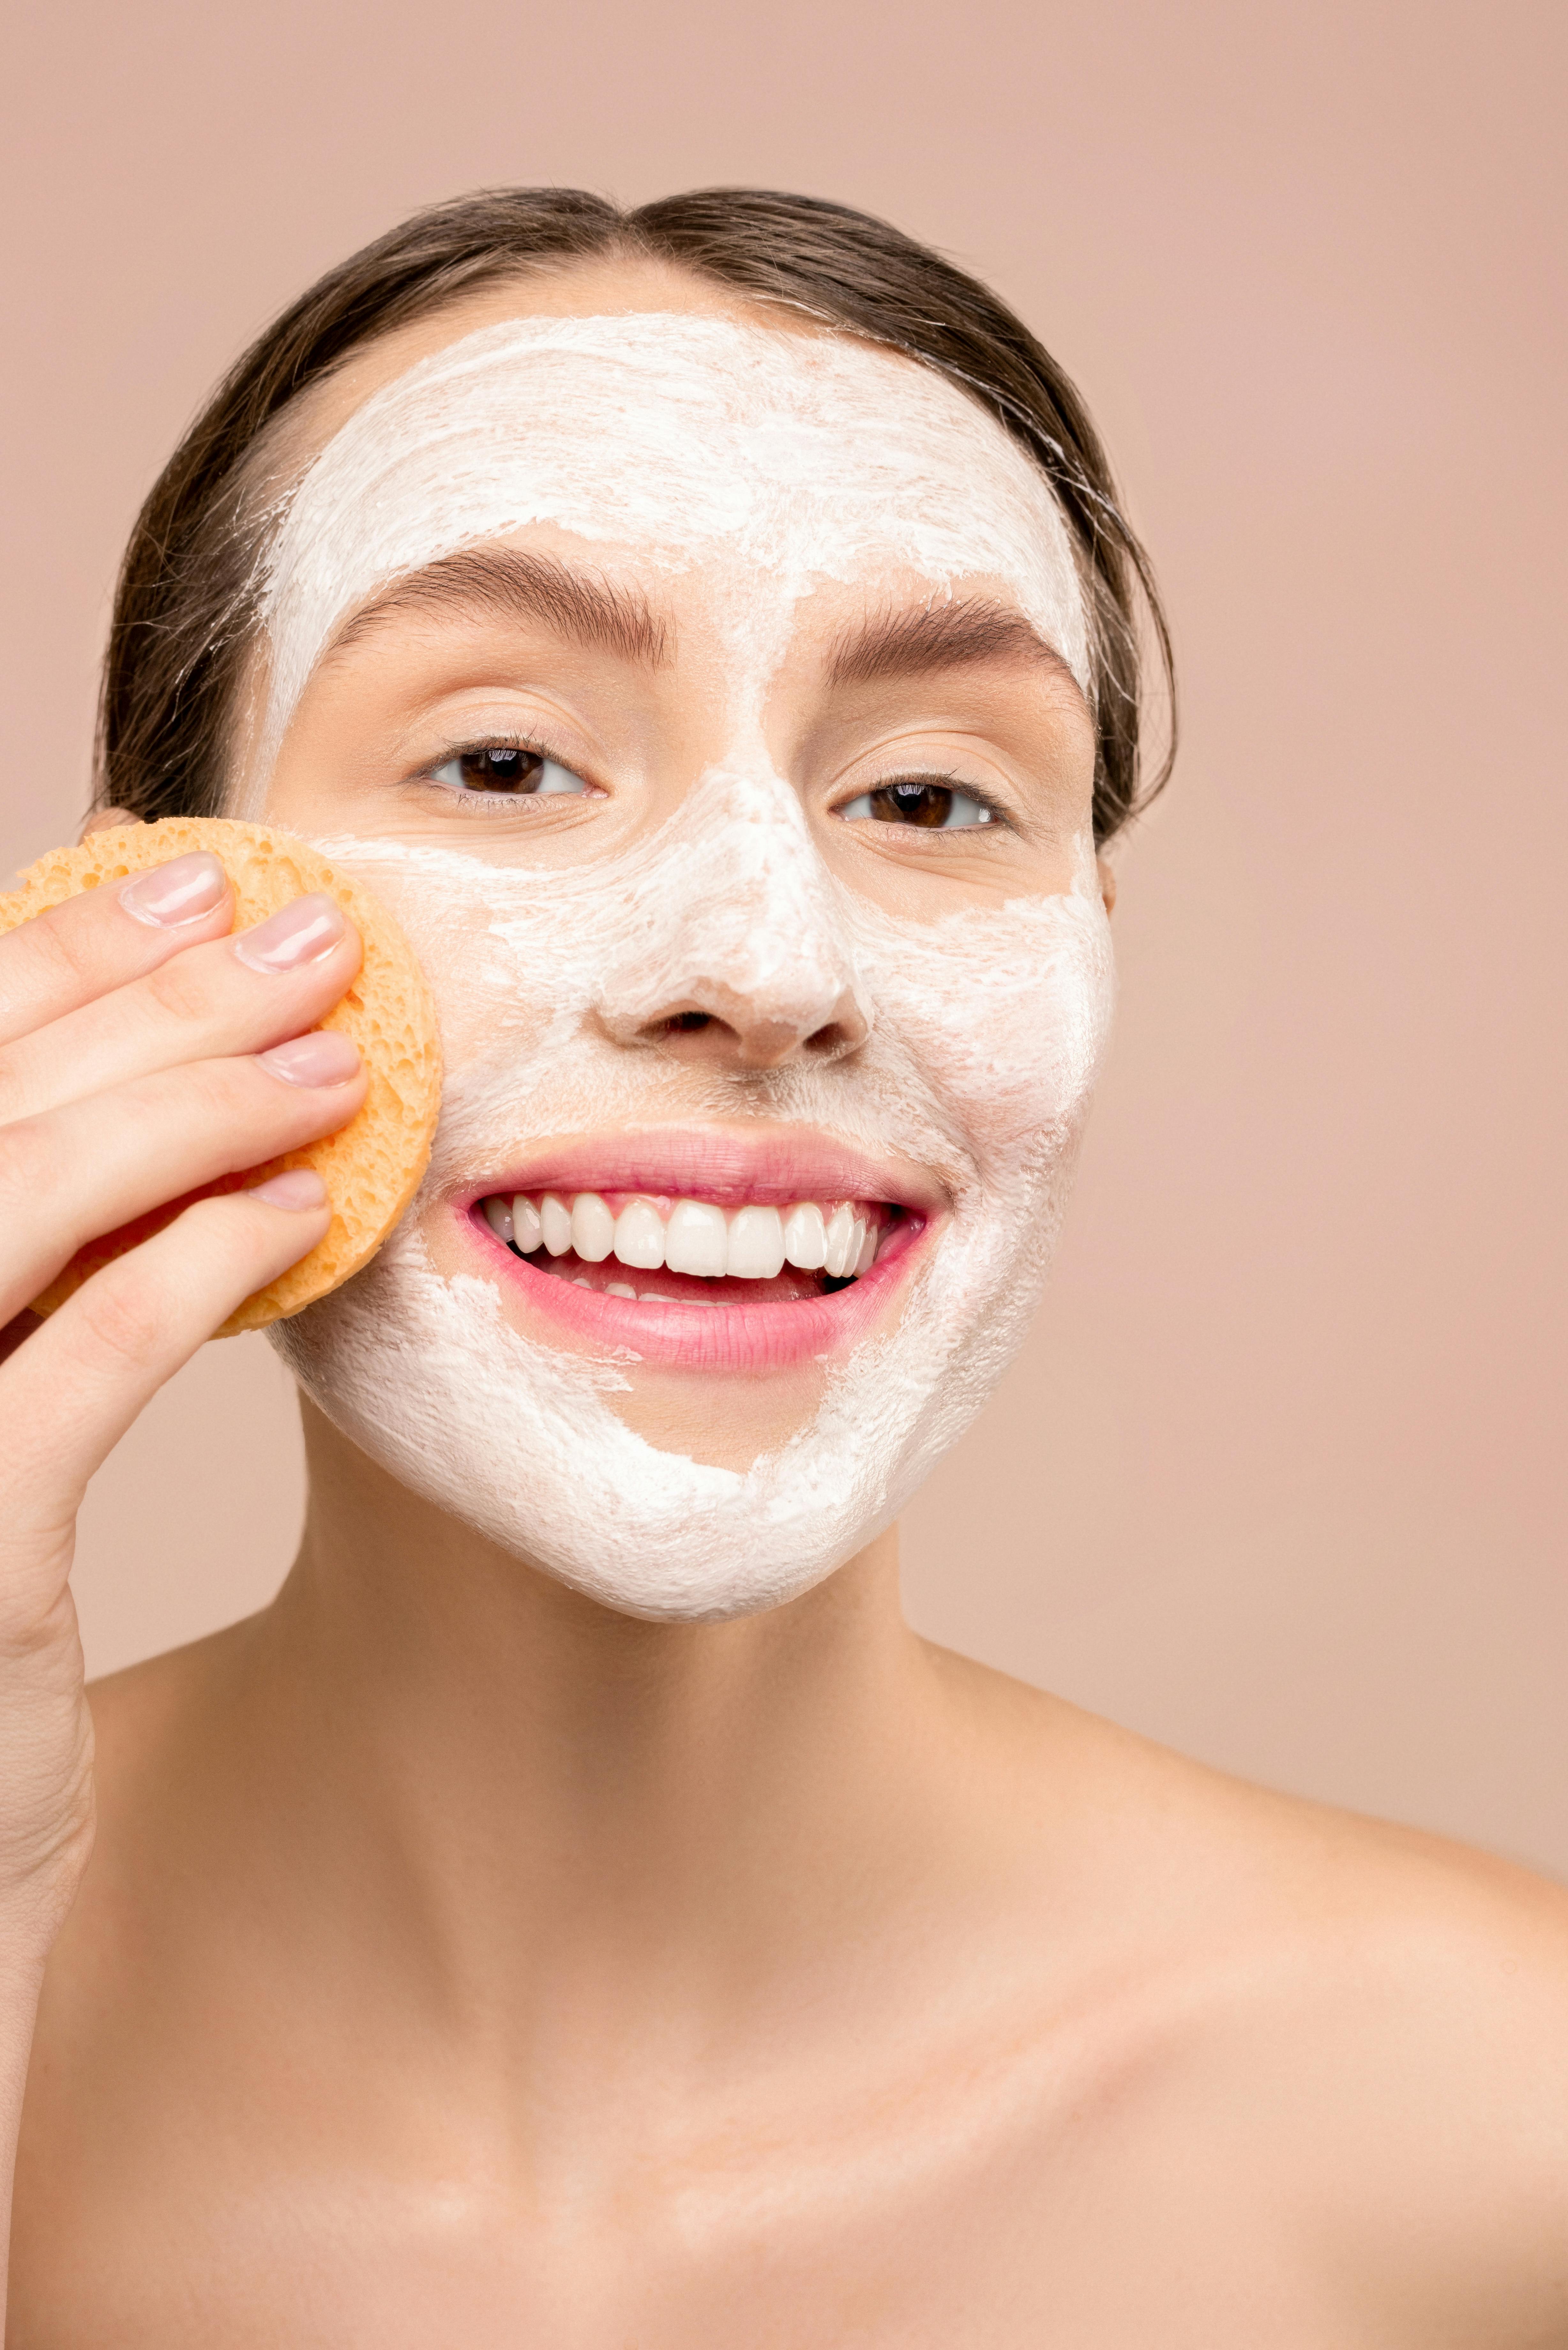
(66,950)
(227,1113)
(223,1093)
(138,1107)
(206,1109)
(122,1316)
(195,1096)
(224,1230)
(179,989)
(29,1170)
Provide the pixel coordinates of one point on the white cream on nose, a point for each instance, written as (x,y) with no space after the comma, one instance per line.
(782,462)
(747,929)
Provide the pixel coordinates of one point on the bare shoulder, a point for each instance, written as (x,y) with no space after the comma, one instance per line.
(1232,1867)
(1400,2035)
(1357,2024)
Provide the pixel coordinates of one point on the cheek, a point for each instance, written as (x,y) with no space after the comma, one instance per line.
(485,1001)
(496,982)
(1001,1019)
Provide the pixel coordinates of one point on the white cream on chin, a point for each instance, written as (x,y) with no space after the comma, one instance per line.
(777,462)
(986,1030)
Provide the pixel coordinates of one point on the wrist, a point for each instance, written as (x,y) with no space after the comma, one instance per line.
(37,1889)
(30,1921)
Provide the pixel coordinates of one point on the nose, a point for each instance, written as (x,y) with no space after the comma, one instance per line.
(742,959)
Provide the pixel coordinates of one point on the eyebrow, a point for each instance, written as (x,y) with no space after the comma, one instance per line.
(509,585)
(939,636)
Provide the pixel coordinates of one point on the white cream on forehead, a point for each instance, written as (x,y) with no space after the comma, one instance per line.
(777,461)
(802,457)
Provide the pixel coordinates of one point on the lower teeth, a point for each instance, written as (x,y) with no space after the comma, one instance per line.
(831,1283)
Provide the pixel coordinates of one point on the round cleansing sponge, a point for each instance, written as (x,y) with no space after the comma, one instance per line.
(372,1167)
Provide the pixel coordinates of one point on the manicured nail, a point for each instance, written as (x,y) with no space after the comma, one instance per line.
(180,891)
(298,1187)
(299,933)
(324,1057)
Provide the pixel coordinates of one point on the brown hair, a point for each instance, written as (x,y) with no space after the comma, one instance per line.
(184,609)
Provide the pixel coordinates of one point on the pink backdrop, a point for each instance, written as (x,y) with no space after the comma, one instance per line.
(1279,1478)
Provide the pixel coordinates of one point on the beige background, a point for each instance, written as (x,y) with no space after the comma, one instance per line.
(1279,1478)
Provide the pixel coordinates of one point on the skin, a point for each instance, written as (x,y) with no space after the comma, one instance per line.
(459,1960)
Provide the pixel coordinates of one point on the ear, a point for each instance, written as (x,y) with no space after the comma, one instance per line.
(1108,882)
(106,820)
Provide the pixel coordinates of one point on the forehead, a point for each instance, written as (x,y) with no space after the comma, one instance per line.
(680,439)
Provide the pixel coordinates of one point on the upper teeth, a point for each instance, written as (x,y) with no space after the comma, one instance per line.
(750,1243)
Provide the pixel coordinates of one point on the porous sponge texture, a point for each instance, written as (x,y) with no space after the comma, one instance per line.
(371,1167)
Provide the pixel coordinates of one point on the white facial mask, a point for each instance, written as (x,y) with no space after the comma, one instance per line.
(985,1028)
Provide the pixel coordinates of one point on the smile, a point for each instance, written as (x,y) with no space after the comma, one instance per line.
(705,1250)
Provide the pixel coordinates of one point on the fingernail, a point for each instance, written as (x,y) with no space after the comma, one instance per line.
(180,891)
(299,933)
(324,1057)
(298,1187)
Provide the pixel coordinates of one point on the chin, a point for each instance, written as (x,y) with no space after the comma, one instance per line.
(520,1436)
(843,1260)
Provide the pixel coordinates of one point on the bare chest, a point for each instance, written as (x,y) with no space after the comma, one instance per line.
(948,2219)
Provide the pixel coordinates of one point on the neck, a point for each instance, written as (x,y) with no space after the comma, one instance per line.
(538,1792)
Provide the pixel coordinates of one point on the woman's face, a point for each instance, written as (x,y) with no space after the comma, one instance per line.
(705,694)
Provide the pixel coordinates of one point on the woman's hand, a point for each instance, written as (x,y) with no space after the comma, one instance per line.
(143,1052)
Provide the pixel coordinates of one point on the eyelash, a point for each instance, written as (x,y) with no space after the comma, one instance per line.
(947,780)
(489,801)
(944,780)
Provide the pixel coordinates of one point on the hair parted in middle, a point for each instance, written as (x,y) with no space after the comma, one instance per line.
(187,605)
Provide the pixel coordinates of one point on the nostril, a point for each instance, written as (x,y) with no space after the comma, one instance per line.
(744,1037)
(829,1043)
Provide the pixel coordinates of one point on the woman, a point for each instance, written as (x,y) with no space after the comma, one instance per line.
(579,1910)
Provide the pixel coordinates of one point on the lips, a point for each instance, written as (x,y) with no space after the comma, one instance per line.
(707,1249)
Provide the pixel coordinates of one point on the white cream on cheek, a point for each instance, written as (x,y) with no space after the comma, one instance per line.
(986,1030)
(986,1027)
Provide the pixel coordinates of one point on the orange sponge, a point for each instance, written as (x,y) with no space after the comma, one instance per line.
(372,1167)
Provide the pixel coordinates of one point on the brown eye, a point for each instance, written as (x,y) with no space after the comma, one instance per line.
(938,806)
(499,767)
(913,804)
(505,770)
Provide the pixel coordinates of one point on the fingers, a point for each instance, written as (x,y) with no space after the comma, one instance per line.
(76,1383)
(90,1166)
(103,938)
(227,996)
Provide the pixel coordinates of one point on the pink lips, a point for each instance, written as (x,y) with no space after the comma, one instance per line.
(772,1167)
